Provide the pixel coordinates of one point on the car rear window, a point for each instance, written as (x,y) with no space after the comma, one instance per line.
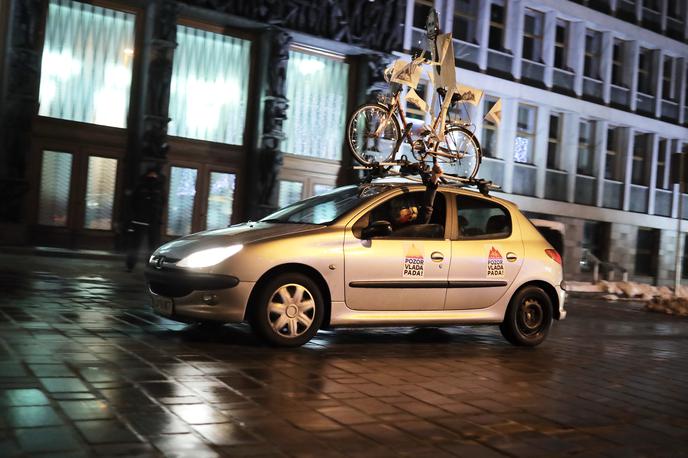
(482,219)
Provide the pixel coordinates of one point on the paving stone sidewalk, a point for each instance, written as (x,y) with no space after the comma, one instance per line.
(87,370)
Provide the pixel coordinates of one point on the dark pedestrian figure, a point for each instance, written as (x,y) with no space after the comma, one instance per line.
(146,216)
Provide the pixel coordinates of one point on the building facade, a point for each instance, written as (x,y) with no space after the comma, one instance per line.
(242,106)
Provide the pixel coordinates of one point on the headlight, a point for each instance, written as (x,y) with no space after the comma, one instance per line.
(210,257)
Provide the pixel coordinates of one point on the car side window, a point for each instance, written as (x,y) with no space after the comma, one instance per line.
(405,213)
(482,219)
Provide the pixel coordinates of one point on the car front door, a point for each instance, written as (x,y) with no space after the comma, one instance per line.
(486,256)
(405,270)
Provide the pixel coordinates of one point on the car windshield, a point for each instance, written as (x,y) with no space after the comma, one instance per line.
(325,208)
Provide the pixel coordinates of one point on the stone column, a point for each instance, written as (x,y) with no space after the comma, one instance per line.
(275,104)
(541,146)
(513,32)
(19,103)
(147,124)
(606,65)
(576,57)
(654,159)
(505,140)
(569,151)
(601,130)
(627,142)
(482,31)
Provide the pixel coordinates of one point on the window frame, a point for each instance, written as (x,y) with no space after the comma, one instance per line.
(489,125)
(561,45)
(556,141)
(537,40)
(136,68)
(470,16)
(483,237)
(588,145)
(640,159)
(493,25)
(594,55)
(532,136)
(356,227)
(645,72)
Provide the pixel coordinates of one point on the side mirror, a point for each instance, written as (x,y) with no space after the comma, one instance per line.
(377,229)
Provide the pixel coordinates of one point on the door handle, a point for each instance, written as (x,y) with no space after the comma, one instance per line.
(437,256)
(511,257)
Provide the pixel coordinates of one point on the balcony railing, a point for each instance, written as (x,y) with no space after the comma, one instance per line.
(663,202)
(670,110)
(524,179)
(620,96)
(563,79)
(466,52)
(499,61)
(613,193)
(555,185)
(585,190)
(592,88)
(534,71)
(492,169)
(638,198)
(646,103)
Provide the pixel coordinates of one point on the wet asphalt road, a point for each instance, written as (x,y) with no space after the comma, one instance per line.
(86,369)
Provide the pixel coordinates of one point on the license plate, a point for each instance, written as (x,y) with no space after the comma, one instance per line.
(163,306)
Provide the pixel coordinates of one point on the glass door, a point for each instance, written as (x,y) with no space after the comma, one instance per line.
(200,197)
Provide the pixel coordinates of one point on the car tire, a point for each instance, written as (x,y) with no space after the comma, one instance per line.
(288,310)
(528,318)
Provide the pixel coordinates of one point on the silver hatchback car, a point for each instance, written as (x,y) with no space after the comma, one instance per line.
(359,256)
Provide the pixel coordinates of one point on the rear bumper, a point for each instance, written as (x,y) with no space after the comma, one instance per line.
(561,293)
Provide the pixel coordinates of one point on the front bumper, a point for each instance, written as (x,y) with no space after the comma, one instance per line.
(199,296)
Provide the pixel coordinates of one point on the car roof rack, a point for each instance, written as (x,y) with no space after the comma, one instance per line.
(414,172)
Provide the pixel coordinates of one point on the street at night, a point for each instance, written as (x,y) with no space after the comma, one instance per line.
(87,369)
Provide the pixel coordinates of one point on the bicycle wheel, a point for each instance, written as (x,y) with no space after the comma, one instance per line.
(459,153)
(366,144)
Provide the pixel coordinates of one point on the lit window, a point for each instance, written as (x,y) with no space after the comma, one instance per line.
(220,200)
(524,143)
(317,89)
(56,173)
(209,90)
(586,150)
(180,203)
(289,192)
(100,192)
(87,64)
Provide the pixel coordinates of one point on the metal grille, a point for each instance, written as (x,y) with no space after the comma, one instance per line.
(289,192)
(181,200)
(209,90)
(56,172)
(100,192)
(87,63)
(317,89)
(220,200)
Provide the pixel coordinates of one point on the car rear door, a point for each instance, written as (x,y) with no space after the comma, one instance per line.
(405,271)
(487,253)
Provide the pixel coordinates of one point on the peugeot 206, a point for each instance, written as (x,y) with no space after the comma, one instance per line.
(361,256)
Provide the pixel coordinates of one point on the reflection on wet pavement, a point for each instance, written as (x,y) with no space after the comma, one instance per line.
(87,369)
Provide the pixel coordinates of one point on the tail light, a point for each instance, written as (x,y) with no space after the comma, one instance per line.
(554,255)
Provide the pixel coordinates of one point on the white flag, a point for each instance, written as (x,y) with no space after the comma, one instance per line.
(413,97)
(495,113)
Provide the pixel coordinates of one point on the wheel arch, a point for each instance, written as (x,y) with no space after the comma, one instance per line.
(291,268)
(548,289)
